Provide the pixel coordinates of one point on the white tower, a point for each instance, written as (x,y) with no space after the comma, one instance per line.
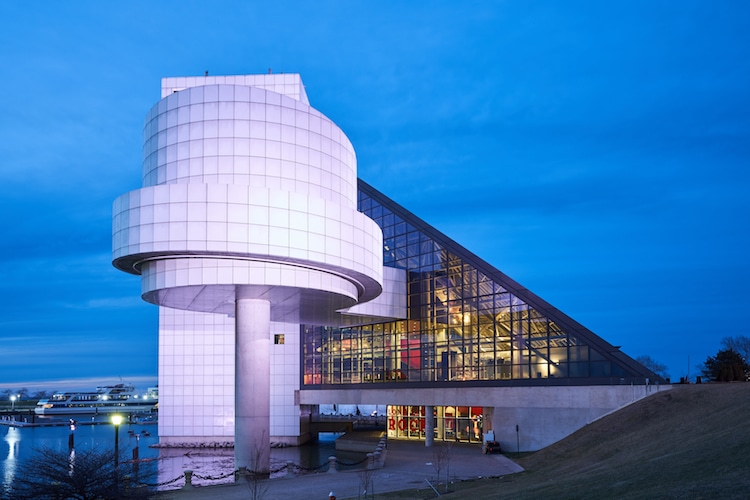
(248,208)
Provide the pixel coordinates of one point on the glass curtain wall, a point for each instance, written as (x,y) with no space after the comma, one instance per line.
(463,326)
(451,423)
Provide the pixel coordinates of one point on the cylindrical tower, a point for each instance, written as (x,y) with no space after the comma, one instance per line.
(248,208)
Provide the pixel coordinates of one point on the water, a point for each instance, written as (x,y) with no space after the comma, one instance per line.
(18,444)
(162,465)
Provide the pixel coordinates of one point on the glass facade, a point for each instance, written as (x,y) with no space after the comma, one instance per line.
(451,423)
(465,323)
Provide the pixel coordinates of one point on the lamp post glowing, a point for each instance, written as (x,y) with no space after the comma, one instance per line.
(13,402)
(117,420)
(72,436)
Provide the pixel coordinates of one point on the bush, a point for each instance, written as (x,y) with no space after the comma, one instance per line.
(727,366)
(82,475)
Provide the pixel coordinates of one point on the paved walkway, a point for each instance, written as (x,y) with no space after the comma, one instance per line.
(407,465)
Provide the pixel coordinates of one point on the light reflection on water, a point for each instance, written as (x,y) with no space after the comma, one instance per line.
(20,443)
(12,438)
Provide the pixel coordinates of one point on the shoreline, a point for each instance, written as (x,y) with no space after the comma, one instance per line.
(64,420)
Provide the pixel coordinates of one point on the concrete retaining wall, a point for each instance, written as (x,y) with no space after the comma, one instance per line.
(543,415)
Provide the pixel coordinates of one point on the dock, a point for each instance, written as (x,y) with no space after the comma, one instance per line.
(64,420)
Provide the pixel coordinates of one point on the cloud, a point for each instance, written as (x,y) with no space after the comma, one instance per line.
(79,384)
(127,302)
(555,140)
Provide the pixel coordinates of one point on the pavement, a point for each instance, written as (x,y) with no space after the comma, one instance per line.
(407,465)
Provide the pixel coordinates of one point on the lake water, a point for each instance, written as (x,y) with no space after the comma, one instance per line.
(18,444)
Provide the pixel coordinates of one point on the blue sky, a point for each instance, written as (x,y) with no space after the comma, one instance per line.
(596,152)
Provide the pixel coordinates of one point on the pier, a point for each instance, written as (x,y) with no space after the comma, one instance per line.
(26,419)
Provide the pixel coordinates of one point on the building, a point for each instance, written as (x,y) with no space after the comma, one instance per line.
(284,282)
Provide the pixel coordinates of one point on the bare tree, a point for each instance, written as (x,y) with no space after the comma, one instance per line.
(257,480)
(448,456)
(41,395)
(658,368)
(441,459)
(740,344)
(82,475)
(365,483)
(438,461)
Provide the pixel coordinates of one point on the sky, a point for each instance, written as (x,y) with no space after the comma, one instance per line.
(596,152)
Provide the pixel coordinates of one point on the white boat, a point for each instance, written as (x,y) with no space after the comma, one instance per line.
(118,398)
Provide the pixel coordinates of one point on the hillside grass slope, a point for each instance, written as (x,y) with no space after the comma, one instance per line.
(690,442)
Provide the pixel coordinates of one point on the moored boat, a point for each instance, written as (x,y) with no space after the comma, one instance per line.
(119,398)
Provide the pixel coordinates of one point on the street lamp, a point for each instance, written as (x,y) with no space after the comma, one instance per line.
(117,420)
(136,453)
(72,436)
(13,402)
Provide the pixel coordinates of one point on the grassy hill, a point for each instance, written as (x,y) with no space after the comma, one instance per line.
(687,443)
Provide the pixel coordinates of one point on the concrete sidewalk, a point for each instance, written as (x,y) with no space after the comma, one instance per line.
(407,465)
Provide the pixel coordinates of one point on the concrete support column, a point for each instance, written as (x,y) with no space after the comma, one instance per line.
(441,422)
(252,385)
(429,426)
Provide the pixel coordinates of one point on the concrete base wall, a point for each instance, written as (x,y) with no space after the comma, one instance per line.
(224,441)
(524,429)
(544,415)
(291,440)
(196,441)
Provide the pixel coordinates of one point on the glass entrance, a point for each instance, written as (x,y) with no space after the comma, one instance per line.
(452,423)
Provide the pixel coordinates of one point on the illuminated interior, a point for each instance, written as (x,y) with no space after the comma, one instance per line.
(467,322)
(451,423)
